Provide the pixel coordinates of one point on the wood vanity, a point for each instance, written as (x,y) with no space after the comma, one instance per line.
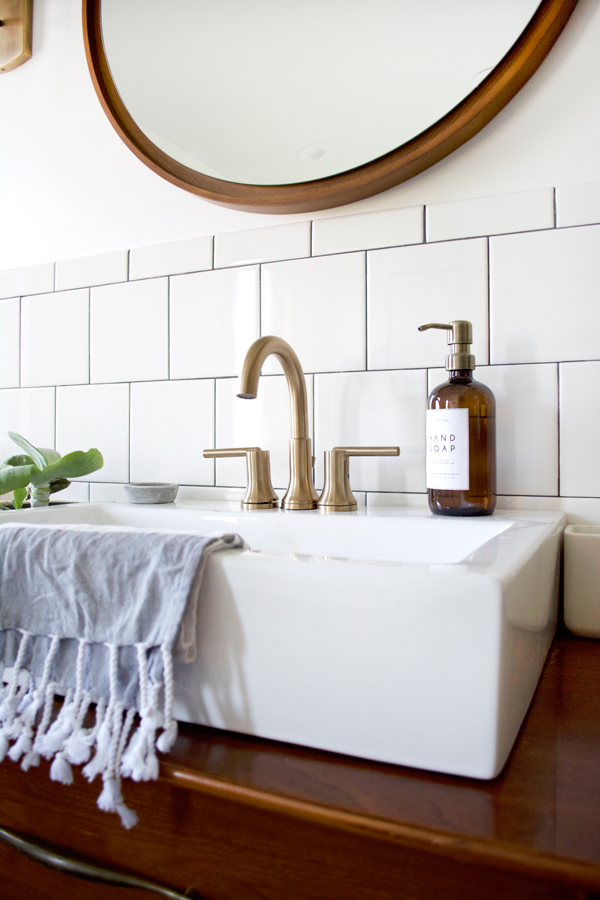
(238,818)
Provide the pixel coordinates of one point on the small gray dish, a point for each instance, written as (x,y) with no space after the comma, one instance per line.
(151,492)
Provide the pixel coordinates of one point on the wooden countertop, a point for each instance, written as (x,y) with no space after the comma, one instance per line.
(269,820)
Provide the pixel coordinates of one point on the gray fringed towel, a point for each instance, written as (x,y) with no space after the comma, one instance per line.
(95,613)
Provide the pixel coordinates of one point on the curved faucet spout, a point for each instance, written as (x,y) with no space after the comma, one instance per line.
(301,493)
(255,358)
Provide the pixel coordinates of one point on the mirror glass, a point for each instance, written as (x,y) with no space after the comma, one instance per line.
(278,92)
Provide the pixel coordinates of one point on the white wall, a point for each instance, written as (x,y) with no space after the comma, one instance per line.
(69,187)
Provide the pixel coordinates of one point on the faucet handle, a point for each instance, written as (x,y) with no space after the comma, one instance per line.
(337,495)
(259,491)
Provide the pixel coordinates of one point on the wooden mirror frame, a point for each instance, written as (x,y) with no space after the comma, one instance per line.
(411,158)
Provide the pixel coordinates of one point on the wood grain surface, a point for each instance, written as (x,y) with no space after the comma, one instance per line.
(238,817)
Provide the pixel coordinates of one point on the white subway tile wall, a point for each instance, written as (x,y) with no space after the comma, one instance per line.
(523,211)
(10,329)
(144,364)
(240,248)
(33,280)
(194,255)
(106,268)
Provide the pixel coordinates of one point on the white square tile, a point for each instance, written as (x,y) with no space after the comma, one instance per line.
(194,255)
(103,493)
(374,409)
(317,306)
(29,412)
(10,338)
(129,331)
(77,492)
(579,430)
(106,268)
(240,248)
(544,296)
(387,228)
(54,339)
(578,204)
(522,211)
(264,422)
(526,427)
(30,280)
(411,286)
(172,422)
(96,415)
(578,510)
(385,501)
(215,316)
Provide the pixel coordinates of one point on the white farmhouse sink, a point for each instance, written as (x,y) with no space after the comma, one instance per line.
(388,634)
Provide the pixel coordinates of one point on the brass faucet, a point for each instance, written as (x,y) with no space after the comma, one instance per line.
(301,493)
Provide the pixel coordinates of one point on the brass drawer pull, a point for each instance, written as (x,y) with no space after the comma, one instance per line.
(87,871)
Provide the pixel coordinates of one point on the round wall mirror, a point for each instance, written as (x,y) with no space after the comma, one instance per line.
(280,106)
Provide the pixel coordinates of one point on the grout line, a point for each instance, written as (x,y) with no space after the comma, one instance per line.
(558,485)
(366,311)
(20,338)
(424,241)
(214,440)
(89,335)
(312,224)
(489,302)
(129,265)
(55,413)
(260,334)
(554,207)
(168,327)
(213,252)
(129,441)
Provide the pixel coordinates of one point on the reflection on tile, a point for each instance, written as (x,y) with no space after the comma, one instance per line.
(522,211)
(167,439)
(10,336)
(263,422)
(128,331)
(54,339)
(386,228)
(578,204)
(106,268)
(194,255)
(29,412)
(240,248)
(374,409)
(411,286)
(77,492)
(30,280)
(544,296)
(318,306)
(526,426)
(579,430)
(96,415)
(103,493)
(214,319)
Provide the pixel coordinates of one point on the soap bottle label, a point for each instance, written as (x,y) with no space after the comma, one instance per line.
(448,449)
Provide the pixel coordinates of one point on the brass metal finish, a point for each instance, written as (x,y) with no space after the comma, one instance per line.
(259,491)
(16,20)
(301,493)
(460,338)
(48,856)
(337,495)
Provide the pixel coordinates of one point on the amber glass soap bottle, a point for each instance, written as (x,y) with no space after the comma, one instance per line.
(461,434)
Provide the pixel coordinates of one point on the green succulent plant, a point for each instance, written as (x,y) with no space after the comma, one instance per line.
(39,471)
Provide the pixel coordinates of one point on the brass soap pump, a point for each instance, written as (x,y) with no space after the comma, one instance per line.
(461,433)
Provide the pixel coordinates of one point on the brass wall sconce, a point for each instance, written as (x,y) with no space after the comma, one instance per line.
(16,20)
